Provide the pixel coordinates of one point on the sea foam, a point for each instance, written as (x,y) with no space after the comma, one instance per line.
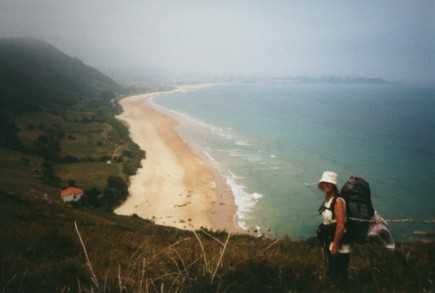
(244,200)
(243,143)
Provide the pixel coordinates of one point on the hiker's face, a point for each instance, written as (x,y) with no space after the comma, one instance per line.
(326,187)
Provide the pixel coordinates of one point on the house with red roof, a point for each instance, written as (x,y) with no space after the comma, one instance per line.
(71,194)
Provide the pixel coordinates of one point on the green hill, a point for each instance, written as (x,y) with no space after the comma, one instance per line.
(34,74)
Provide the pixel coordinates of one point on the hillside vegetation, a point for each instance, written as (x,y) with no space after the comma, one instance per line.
(40,251)
(57,117)
(58,128)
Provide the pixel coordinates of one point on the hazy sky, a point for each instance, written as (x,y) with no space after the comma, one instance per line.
(135,39)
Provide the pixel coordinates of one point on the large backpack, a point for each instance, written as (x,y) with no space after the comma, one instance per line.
(359,208)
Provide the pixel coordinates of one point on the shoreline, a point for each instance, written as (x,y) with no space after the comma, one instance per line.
(176,184)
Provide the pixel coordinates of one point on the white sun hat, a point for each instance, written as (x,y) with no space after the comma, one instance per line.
(329,177)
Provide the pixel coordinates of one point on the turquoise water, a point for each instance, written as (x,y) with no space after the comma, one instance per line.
(272,140)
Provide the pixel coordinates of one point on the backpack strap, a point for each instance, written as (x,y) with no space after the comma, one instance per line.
(331,207)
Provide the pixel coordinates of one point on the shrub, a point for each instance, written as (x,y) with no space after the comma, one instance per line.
(69,159)
(48,146)
(115,193)
(9,131)
(49,176)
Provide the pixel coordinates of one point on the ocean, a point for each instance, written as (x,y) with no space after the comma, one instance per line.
(272,140)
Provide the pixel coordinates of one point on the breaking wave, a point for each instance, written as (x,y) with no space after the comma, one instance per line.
(245,201)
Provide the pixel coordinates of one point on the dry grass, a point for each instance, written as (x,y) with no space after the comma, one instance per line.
(141,275)
(47,247)
(171,269)
(88,261)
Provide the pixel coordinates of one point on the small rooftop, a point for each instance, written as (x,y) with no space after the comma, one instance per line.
(71,190)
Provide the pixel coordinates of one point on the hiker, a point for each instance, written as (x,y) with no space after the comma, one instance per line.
(332,230)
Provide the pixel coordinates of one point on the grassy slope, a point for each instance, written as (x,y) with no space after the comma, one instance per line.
(40,252)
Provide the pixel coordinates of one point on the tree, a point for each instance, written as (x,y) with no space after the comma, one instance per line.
(9,130)
(48,174)
(107,95)
(116,182)
(72,182)
(116,192)
(48,146)
(91,198)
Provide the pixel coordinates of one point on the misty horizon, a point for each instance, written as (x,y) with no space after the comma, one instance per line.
(145,40)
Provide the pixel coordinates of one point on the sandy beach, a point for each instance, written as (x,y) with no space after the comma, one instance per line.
(175,186)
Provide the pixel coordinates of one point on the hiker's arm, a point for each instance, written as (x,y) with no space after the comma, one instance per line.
(340,214)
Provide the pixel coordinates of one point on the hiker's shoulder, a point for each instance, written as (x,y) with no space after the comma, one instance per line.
(340,200)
